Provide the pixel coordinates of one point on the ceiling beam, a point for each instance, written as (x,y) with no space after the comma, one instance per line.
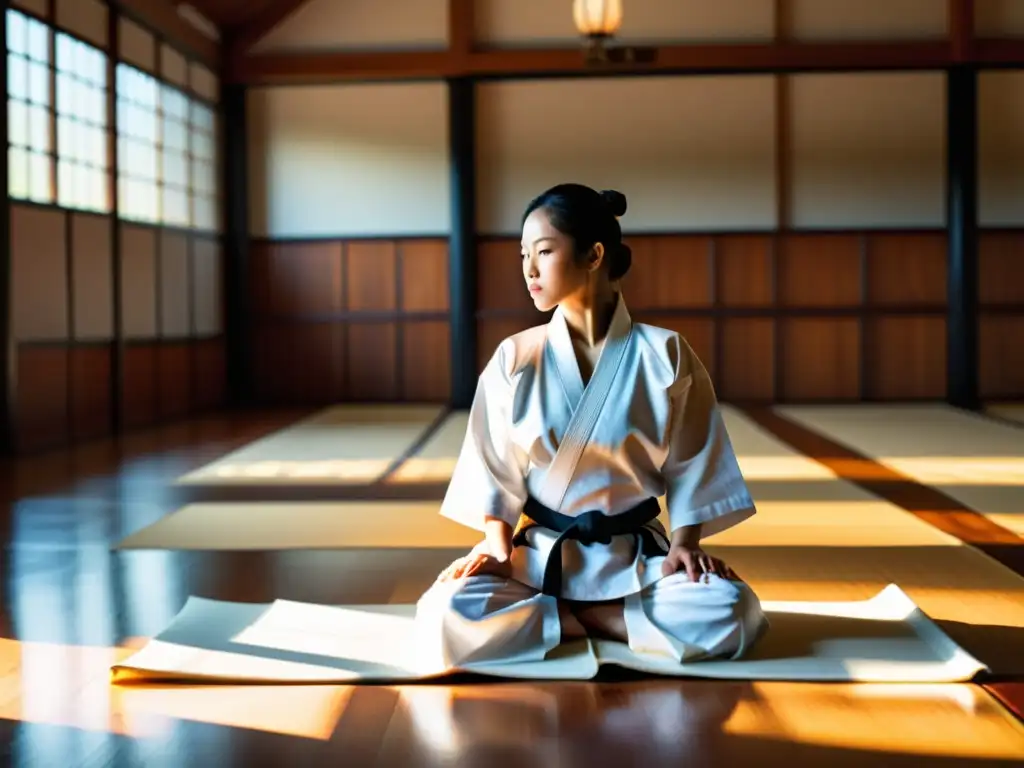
(999,52)
(781,56)
(162,16)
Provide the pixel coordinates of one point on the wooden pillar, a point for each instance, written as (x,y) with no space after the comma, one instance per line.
(962,224)
(462,257)
(116,289)
(7,387)
(236,244)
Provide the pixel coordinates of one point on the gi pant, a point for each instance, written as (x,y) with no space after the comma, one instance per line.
(484,619)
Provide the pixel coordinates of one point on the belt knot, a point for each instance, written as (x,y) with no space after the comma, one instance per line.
(592,528)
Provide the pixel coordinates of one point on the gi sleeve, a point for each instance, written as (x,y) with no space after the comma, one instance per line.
(489,475)
(703,481)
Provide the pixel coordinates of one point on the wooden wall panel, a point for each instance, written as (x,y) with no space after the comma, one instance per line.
(839,316)
(1001,268)
(905,358)
(1001,325)
(426,350)
(906,269)
(318,364)
(91,373)
(301,364)
(209,374)
(371,270)
(272,368)
(795,316)
(424,276)
(174,384)
(819,270)
(290,279)
(499,268)
(746,370)
(372,364)
(141,404)
(745,271)
(670,272)
(64,394)
(42,396)
(357,320)
(820,359)
(1000,363)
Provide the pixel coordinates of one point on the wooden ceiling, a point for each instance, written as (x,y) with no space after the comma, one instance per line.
(244,22)
(228,14)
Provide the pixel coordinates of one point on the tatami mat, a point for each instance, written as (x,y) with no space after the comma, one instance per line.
(837,512)
(977,461)
(262,526)
(1009,411)
(346,444)
(435,461)
(816,537)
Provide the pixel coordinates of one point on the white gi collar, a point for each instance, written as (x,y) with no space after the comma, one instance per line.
(560,344)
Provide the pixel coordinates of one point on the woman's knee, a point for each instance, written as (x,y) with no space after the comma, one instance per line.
(484,618)
(721,617)
(748,617)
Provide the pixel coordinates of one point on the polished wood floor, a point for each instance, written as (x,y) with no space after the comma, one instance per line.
(71,605)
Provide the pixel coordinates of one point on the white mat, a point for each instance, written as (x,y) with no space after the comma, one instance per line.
(884,639)
(345,444)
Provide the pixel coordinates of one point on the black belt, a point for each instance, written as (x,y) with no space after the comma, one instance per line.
(593,527)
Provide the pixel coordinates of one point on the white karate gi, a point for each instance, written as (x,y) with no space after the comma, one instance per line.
(646,425)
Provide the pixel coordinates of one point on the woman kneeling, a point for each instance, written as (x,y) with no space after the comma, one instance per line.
(577,428)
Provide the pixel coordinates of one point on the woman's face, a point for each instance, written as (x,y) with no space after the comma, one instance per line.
(549,265)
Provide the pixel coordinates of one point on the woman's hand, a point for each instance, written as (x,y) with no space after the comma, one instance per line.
(477,563)
(697,563)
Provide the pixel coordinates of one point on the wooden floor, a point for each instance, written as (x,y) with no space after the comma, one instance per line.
(71,606)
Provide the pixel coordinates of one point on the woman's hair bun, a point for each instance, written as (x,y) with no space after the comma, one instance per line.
(620,262)
(616,201)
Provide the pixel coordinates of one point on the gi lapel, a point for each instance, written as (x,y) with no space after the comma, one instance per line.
(564,359)
(588,406)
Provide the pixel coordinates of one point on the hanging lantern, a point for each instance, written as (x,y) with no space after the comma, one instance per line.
(597,20)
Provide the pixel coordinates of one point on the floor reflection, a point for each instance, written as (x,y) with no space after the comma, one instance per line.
(69,602)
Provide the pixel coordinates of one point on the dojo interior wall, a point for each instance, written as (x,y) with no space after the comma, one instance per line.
(69,320)
(793,228)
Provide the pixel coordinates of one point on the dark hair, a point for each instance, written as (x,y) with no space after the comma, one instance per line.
(588,217)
